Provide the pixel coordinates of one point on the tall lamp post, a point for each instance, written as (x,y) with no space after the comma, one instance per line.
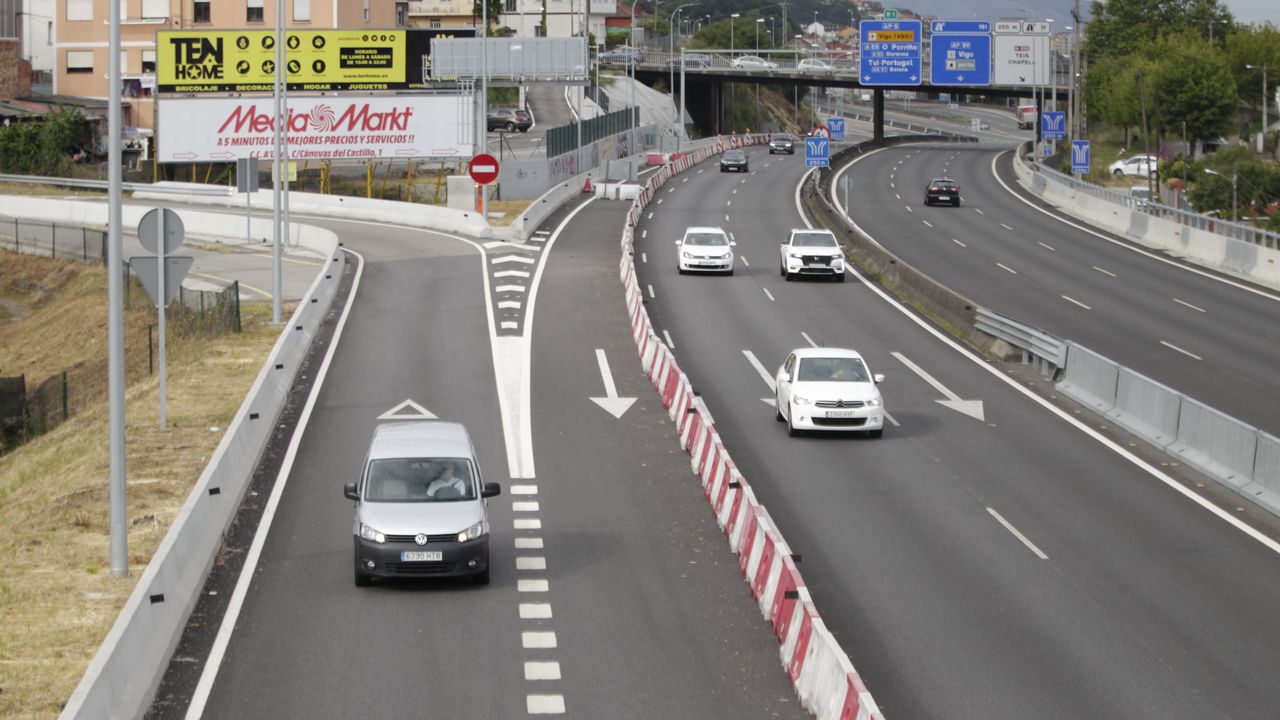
(631,56)
(759,22)
(671,83)
(1262,138)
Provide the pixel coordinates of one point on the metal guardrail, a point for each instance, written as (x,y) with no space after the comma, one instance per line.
(214,191)
(1045,350)
(1226,228)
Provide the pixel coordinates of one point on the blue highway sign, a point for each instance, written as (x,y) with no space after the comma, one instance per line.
(890,52)
(961,60)
(1053,126)
(835,126)
(961,27)
(1080,156)
(817,152)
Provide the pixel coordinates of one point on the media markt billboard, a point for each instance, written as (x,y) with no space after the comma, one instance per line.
(221,61)
(319,128)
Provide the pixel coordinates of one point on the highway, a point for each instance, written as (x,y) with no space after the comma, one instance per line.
(1009,567)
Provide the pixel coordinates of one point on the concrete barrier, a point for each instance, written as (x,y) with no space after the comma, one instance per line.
(1090,379)
(1265,487)
(1215,443)
(1146,408)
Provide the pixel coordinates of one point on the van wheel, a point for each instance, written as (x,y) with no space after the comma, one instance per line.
(363,579)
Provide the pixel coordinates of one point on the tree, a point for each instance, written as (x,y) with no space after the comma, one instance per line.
(1120,27)
(44,147)
(1256,46)
(1193,84)
(495,11)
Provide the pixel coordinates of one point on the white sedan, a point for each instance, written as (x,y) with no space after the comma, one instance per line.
(828,389)
(753,62)
(705,249)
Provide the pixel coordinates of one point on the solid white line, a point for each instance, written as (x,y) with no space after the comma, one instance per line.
(1077,302)
(538,640)
(531,563)
(1006,227)
(1187,304)
(808,339)
(535,611)
(200,697)
(666,336)
(1171,346)
(545,670)
(959,243)
(1002,266)
(1104,272)
(532,586)
(926,222)
(1046,247)
(769,294)
(528,543)
(764,374)
(651,294)
(610,389)
(527,524)
(1020,536)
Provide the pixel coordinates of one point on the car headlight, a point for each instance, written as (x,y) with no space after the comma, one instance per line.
(873,402)
(368,533)
(473,532)
(795,256)
(726,256)
(686,256)
(800,400)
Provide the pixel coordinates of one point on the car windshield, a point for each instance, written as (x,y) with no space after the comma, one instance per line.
(419,480)
(735,155)
(836,369)
(814,240)
(705,239)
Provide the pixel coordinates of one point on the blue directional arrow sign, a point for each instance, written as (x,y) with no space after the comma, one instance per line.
(817,152)
(1053,126)
(1079,156)
(835,126)
(890,52)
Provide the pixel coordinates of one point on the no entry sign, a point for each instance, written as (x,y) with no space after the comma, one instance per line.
(483,168)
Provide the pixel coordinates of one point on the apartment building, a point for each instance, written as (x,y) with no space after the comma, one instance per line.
(81,37)
(563,18)
(442,14)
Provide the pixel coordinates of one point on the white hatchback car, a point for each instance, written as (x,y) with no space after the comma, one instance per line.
(705,249)
(812,252)
(828,389)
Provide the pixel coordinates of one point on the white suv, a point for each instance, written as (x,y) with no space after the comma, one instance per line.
(812,252)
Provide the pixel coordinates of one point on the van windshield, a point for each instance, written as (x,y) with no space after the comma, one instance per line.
(419,480)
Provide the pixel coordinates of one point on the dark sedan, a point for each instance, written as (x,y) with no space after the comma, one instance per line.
(735,160)
(942,190)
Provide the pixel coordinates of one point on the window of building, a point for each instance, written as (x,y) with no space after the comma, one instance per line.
(253,12)
(366,10)
(202,11)
(402,14)
(124,62)
(155,8)
(79,61)
(302,10)
(79,10)
(148,61)
(510,7)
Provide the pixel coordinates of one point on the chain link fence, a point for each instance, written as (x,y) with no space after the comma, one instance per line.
(53,240)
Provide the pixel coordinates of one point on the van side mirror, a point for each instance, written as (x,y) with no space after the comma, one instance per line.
(491,490)
(349,490)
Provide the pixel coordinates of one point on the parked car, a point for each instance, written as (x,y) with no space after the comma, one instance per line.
(782,144)
(691,61)
(828,389)
(420,505)
(621,55)
(816,66)
(942,190)
(1139,165)
(814,253)
(735,160)
(705,249)
(753,62)
(509,119)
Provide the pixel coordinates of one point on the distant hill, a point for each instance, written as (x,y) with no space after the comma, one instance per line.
(1058,10)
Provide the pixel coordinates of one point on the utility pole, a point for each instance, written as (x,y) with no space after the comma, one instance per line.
(118,509)
(1235,177)
(1146,136)
(1262,137)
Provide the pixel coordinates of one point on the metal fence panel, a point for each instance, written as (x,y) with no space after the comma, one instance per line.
(510,58)
(1090,379)
(1146,408)
(1215,443)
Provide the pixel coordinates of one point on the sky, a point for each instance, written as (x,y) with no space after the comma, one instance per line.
(1246,11)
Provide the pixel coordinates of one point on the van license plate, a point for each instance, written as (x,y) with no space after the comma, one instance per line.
(422,556)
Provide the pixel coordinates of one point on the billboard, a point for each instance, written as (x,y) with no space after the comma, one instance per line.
(319,128)
(222,61)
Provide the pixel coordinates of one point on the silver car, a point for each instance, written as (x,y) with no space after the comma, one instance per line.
(420,505)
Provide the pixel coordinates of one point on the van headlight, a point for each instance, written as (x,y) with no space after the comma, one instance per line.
(368,533)
(473,532)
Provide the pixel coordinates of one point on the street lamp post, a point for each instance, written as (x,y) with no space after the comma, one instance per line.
(759,22)
(733,89)
(631,56)
(671,82)
(1262,137)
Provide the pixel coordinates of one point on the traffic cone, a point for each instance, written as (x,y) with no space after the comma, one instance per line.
(586,187)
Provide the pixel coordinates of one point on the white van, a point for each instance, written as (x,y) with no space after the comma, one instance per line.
(420,505)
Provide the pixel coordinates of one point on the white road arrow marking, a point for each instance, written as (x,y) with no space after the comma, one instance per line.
(764,374)
(407,410)
(972,408)
(612,404)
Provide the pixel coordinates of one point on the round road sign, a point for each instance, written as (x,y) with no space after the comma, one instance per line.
(483,168)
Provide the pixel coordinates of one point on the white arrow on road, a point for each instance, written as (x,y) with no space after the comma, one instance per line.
(407,410)
(612,404)
(972,408)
